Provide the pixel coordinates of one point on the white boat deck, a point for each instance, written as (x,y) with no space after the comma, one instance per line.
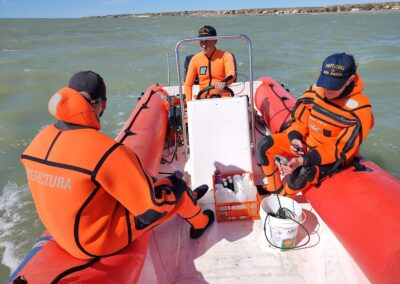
(237,252)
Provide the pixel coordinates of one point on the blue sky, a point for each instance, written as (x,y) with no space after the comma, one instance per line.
(82,8)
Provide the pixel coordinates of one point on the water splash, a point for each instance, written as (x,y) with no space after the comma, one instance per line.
(16,225)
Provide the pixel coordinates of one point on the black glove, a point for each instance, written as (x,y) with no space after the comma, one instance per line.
(158,190)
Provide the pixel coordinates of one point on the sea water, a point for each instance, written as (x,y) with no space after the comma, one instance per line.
(37,57)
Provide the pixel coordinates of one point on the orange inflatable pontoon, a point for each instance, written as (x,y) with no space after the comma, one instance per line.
(361,207)
(48,263)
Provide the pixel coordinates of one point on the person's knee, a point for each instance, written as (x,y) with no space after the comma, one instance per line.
(262,146)
(170,183)
(148,219)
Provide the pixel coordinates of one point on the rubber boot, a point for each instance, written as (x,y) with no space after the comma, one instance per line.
(196,233)
(200,191)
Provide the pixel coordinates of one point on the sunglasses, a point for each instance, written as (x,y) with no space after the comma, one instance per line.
(103,101)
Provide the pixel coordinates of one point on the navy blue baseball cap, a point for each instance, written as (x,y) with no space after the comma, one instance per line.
(89,82)
(336,70)
(207,31)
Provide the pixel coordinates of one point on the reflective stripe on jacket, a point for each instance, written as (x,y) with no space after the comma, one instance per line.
(91,193)
(332,129)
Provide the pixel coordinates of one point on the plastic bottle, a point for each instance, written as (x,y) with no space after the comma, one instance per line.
(240,196)
(236,180)
(246,179)
(219,186)
(230,196)
(237,177)
(238,185)
(252,191)
(217,176)
(230,183)
(220,195)
(245,176)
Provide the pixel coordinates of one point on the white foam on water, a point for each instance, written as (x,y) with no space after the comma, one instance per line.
(8,50)
(9,259)
(14,203)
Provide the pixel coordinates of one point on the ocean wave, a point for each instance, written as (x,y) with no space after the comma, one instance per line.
(9,259)
(15,207)
(120,123)
(8,50)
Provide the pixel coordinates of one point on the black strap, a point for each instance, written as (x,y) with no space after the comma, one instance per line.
(336,167)
(358,167)
(285,124)
(75,269)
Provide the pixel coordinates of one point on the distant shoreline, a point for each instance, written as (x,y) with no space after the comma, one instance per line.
(334,9)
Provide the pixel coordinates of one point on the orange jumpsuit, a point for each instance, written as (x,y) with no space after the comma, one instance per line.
(332,131)
(209,70)
(92,193)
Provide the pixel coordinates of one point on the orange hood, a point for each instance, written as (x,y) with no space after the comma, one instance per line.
(358,85)
(68,106)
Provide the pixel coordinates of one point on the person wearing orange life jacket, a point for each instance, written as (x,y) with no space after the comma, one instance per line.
(90,192)
(212,66)
(331,120)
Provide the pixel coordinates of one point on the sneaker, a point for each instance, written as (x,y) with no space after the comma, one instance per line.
(196,233)
(200,191)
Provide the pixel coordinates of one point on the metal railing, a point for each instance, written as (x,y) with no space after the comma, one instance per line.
(249,44)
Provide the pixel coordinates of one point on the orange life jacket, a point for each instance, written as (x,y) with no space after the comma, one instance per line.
(209,70)
(332,129)
(88,204)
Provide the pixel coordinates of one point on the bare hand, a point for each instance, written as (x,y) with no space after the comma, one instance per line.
(291,166)
(219,86)
(296,146)
(282,168)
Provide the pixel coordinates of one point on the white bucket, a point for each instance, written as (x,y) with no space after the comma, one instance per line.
(281,233)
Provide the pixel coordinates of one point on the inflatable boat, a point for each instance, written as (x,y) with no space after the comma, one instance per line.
(351,219)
